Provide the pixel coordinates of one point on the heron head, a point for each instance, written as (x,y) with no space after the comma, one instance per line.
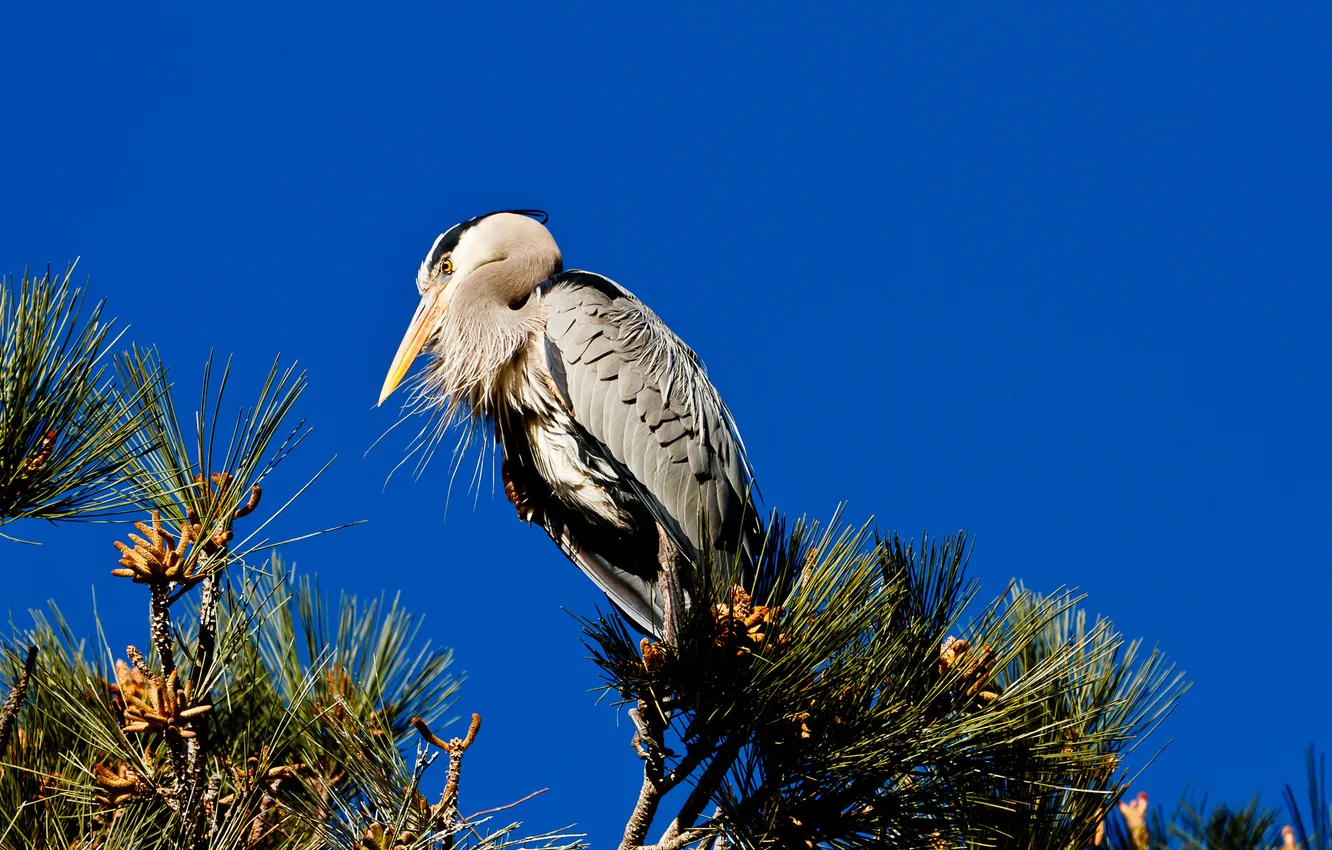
(495,260)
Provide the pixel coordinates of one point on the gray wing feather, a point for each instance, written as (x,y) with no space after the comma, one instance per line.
(612,411)
(631,384)
(608,368)
(670,431)
(640,444)
(653,408)
(701,461)
(582,390)
(640,391)
(560,323)
(600,346)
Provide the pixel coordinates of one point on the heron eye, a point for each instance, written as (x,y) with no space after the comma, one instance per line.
(447,266)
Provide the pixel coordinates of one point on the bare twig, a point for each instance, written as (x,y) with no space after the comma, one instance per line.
(15,701)
(519,802)
(207,626)
(446,810)
(453,745)
(179,791)
(164,643)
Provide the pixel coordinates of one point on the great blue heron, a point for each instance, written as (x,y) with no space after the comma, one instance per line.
(613,439)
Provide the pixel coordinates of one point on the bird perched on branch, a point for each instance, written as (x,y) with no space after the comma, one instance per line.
(613,439)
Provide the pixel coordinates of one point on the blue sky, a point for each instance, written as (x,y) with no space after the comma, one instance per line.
(1054,274)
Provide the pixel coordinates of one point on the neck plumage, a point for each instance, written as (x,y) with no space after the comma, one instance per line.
(491,319)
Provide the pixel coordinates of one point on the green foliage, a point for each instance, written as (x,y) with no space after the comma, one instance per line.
(69,691)
(1095,697)
(853,695)
(65,428)
(263,716)
(299,689)
(168,467)
(851,723)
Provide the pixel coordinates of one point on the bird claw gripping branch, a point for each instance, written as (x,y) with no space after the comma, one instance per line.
(738,624)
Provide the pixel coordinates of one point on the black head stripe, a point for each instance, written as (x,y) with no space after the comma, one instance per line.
(449,240)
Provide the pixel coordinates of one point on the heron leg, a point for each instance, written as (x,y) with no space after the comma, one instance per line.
(670,576)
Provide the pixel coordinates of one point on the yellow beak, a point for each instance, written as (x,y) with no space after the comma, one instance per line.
(428,315)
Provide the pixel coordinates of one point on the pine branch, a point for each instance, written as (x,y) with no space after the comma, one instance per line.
(723,759)
(323,752)
(273,717)
(66,429)
(650,745)
(841,709)
(17,694)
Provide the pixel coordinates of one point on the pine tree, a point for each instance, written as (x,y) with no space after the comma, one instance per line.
(256,714)
(856,693)
(851,700)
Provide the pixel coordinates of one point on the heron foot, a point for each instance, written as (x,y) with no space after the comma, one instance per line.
(646,741)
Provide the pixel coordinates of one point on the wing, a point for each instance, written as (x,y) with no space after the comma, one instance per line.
(621,563)
(644,396)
